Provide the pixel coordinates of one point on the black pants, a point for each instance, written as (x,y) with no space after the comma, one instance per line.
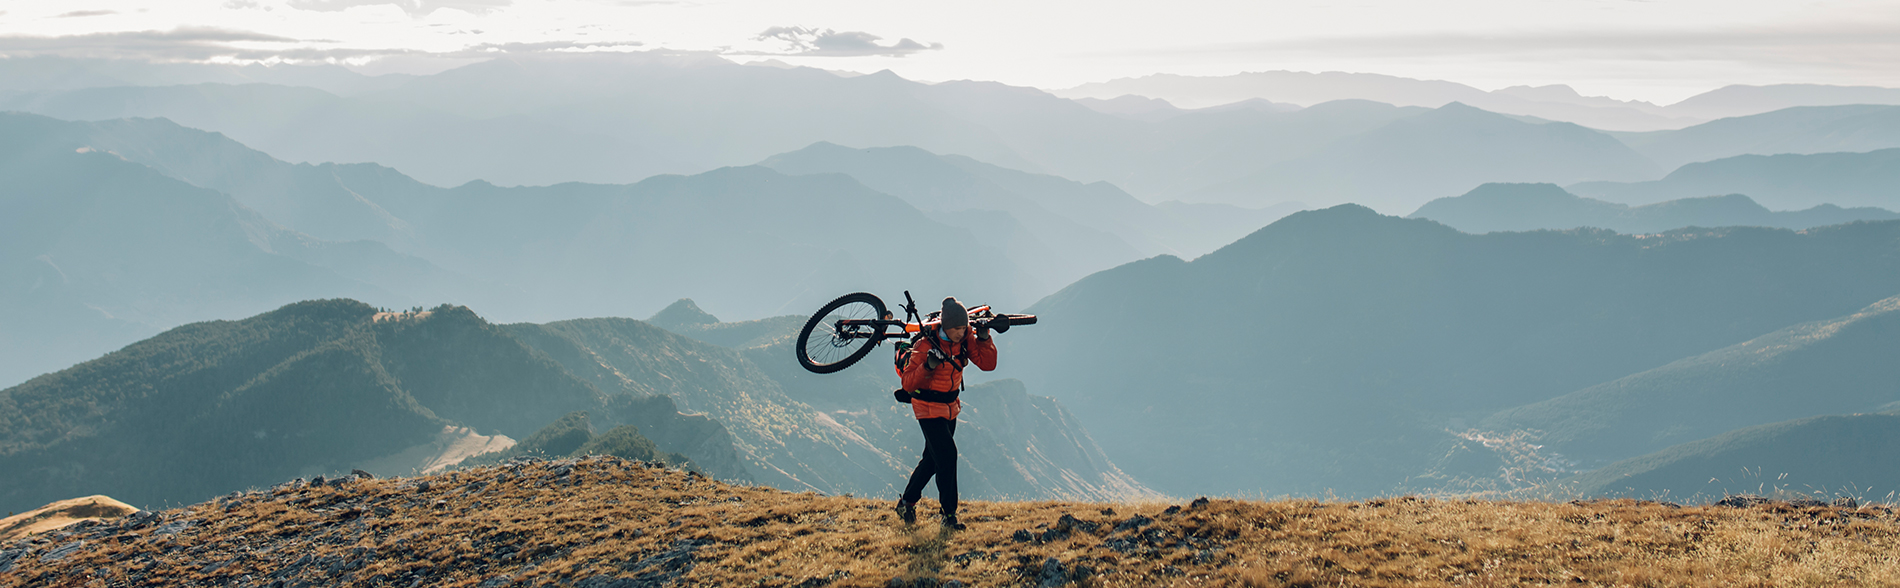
(940,460)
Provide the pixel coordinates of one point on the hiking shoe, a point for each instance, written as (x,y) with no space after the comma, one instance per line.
(907,511)
(950,522)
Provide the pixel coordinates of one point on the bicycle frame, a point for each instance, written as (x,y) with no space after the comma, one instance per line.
(840,342)
(879,328)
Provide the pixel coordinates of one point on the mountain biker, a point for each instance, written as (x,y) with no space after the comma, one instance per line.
(932,379)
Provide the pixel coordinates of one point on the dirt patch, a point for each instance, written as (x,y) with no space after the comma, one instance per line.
(449,447)
(62,513)
(400,316)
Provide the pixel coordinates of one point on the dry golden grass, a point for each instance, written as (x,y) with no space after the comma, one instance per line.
(598,521)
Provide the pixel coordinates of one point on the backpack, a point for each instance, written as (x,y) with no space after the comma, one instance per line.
(905,348)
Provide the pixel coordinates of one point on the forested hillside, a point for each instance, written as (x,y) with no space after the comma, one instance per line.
(310,389)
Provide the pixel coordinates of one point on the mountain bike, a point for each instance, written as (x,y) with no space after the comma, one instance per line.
(844,330)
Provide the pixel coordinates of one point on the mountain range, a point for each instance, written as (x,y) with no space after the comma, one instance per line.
(1529,207)
(1554,102)
(544,119)
(1066,228)
(311,388)
(746,240)
(100,252)
(324,387)
(1800,130)
(1340,344)
(1782,181)
(1827,367)
(1446,151)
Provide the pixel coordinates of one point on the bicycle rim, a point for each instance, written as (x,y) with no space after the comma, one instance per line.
(824,348)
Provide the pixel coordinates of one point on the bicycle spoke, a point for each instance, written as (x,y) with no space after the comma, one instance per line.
(829,344)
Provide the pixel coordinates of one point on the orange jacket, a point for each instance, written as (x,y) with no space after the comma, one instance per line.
(947,377)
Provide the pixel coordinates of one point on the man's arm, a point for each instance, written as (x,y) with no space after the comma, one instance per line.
(915,375)
(983,354)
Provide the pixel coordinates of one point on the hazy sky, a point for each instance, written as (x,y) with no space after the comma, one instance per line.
(1656,50)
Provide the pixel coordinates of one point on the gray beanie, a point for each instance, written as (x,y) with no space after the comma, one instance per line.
(953,314)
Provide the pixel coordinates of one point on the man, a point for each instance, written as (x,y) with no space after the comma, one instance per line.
(932,378)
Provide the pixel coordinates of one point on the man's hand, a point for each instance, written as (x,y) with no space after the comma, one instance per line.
(936,358)
(998,323)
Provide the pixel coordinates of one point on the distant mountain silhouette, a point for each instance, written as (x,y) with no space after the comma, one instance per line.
(301,124)
(1555,102)
(318,200)
(748,216)
(1552,102)
(1744,100)
(742,241)
(1062,229)
(543,119)
(553,118)
(1212,146)
(1815,129)
(312,388)
(100,251)
(1781,181)
(682,314)
(1053,247)
(747,241)
(1529,207)
(1133,107)
(1450,150)
(736,335)
(1834,366)
(1147,109)
(1822,457)
(1332,349)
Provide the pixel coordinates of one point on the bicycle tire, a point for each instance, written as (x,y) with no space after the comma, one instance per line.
(1017,320)
(827,342)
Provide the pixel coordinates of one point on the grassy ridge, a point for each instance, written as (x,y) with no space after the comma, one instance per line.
(610,522)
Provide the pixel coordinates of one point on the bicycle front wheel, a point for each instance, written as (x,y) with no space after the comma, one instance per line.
(840,333)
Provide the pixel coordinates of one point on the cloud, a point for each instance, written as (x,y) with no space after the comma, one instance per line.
(205,44)
(1870,45)
(415,8)
(86,13)
(181,44)
(802,41)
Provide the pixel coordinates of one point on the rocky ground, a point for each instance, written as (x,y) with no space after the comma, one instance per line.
(605,522)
